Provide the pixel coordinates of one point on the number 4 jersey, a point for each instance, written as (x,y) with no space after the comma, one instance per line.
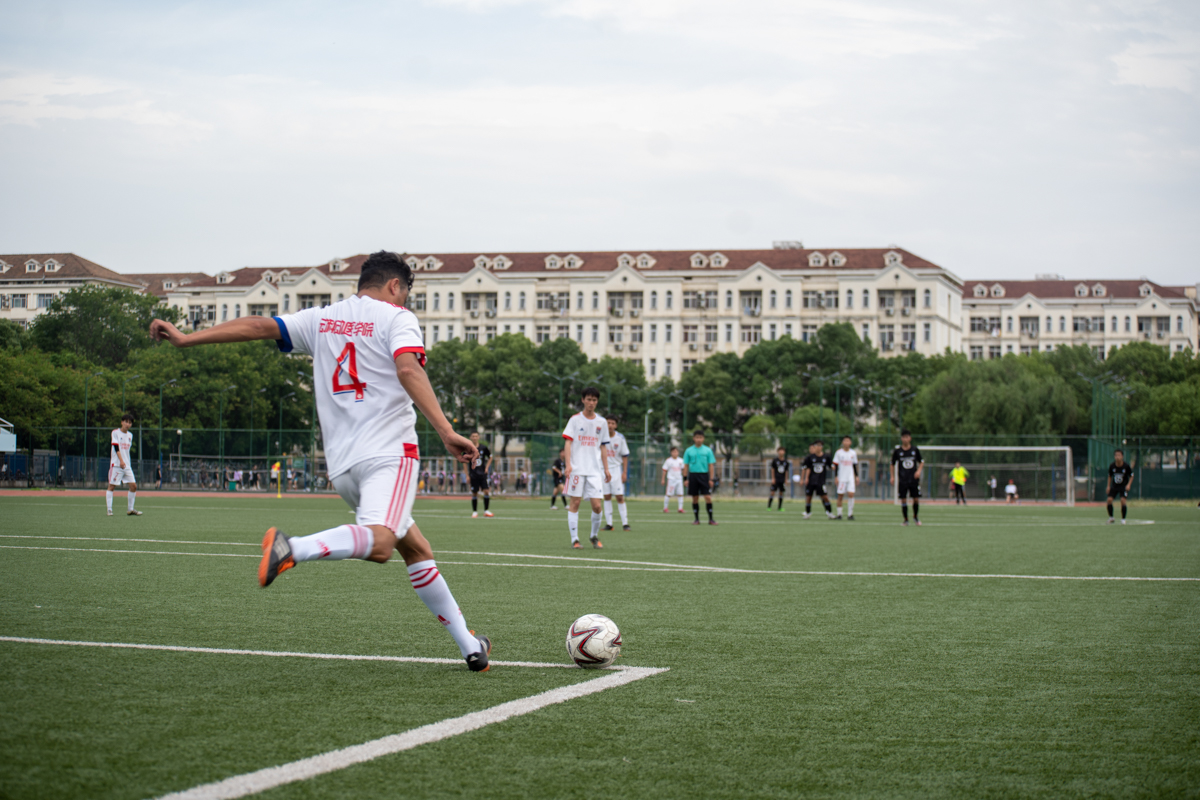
(364,411)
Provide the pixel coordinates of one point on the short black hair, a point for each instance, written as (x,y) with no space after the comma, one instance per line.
(781,447)
(591,391)
(614,418)
(674,447)
(820,442)
(381,267)
(127,417)
(697,432)
(906,432)
(1118,450)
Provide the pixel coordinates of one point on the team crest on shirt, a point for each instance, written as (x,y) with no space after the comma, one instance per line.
(908,463)
(597,430)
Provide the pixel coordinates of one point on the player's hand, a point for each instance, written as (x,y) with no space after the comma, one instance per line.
(160,329)
(460,447)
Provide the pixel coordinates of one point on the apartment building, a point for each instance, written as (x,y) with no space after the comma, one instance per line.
(29,282)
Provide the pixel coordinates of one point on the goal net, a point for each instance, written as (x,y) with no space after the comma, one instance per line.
(1040,474)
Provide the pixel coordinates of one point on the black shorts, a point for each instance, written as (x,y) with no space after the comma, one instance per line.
(559,480)
(907,488)
(479,483)
(1118,491)
(815,488)
(698,484)
(779,485)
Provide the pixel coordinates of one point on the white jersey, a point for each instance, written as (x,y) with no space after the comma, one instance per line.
(588,439)
(846,461)
(364,411)
(123,441)
(674,469)
(617,451)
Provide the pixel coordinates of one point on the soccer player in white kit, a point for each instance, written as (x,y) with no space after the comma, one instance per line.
(120,468)
(618,466)
(587,471)
(847,464)
(672,478)
(368,373)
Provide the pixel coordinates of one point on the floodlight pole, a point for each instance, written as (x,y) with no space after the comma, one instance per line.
(160,419)
(685,408)
(221,434)
(560,379)
(87,379)
(285,397)
(252,396)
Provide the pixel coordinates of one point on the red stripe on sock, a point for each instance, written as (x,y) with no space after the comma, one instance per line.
(427,580)
(421,574)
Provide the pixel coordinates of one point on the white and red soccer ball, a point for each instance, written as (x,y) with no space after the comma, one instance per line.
(593,641)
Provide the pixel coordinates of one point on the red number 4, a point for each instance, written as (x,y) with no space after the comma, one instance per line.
(348,361)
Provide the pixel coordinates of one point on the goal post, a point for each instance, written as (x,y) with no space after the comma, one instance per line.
(1040,474)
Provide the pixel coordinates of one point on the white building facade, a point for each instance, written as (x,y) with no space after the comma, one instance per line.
(29,282)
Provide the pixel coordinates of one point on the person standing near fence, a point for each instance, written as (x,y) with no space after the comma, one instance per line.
(816,468)
(558,470)
(958,481)
(906,475)
(781,467)
(479,477)
(1120,481)
(698,464)
(120,469)
(617,452)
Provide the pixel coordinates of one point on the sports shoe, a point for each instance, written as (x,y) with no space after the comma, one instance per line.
(478,662)
(917,521)
(850,518)
(110,512)
(1122,521)
(665,511)
(712,522)
(607,528)
(474,514)
(695,522)
(830,516)
(134,513)
(596,543)
(575,544)
(806,515)
(626,528)
(1112,521)
(905,523)
(488,514)
(276,558)
(681,511)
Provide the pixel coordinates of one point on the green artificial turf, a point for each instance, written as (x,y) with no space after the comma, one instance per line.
(780,685)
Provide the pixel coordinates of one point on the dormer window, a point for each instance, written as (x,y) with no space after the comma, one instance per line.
(283,276)
(699,260)
(338,265)
(1098,290)
(168,285)
(645,261)
(624,260)
(837,260)
(892,259)
(223,277)
(32,266)
(482,262)
(718,260)
(816,260)
(1144,290)
(572,262)
(1081,290)
(432,264)
(997,290)
(553,262)
(52,265)
(4,267)
(501,262)
(413,262)
(980,290)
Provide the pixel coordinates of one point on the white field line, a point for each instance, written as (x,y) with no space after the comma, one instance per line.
(116,539)
(678,568)
(271,777)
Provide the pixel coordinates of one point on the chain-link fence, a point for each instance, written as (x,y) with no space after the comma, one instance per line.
(244,460)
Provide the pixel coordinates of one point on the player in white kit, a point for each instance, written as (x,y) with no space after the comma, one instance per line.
(617,451)
(368,373)
(120,468)
(587,471)
(672,478)
(846,461)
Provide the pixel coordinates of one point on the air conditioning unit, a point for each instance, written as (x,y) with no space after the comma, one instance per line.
(692,346)
(633,346)
(617,346)
(474,313)
(906,311)
(891,312)
(1162,334)
(1147,335)
(756,312)
(708,345)
(885,346)
(491,312)
(635,312)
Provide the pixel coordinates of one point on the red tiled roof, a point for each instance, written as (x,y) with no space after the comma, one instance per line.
(1122,289)
(72,266)
(152,282)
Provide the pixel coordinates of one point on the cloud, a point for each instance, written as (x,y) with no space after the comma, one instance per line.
(32,97)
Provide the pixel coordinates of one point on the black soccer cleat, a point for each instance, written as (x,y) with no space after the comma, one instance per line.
(478,662)
(596,543)
(276,557)
(626,528)
(607,528)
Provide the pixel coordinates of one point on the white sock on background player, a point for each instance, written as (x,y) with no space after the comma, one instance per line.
(129,498)
(608,512)
(596,520)
(431,587)
(850,507)
(681,502)
(344,541)
(624,509)
(108,499)
(573,524)
(666,501)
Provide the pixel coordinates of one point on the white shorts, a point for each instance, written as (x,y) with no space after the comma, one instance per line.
(585,486)
(846,486)
(381,491)
(615,487)
(674,486)
(117,476)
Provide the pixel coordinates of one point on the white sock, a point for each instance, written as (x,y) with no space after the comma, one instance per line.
(108,499)
(596,518)
(608,512)
(573,525)
(431,587)
(130,497)
(850,509)
(624,513)
(344,541)
(666,499)
(681,502)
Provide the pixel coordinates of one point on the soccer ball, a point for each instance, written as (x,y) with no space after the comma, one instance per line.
(593,641)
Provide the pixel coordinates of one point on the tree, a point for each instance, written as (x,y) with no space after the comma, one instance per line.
(1172,409)
(12,336)
(812,422)
(758,434)
(101,324)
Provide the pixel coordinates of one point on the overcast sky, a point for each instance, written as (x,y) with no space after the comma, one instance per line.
(991,138)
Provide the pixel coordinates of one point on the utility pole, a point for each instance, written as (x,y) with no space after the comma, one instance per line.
(221,434)
(160,419)
(87,379)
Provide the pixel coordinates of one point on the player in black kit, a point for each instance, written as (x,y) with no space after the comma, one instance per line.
(559,469)
(1120,480)
(781,469)
(479,477)
(817,466)
(907,459)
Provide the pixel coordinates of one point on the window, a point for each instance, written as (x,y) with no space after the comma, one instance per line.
(811,300)
(1049,324)
(976,352)
(342,297)
(669,300)
(787,299)
(635,334)
(710,334)
(729,332)
(653,367)
(1008,348)
(667,333)
(692,299)
(542,334)
(262,310)
(437,301)
(774,302)
(831,298)
(579,334)
(1008,327)
(928,299)
(887,337)
(508,329)
(449,301)
(653,333)
(771,332)
(908,336)
(471,333)
(908,299)
(470,301)
(20,301)
(654,301)
(312,300)
(418,301)
(507,300)
(866,298)
(44,301)
(237,311)
(1179,324)
(1026,350)
(993,351)
(521,329)
(808,333)
(435,334)
(667,367)
(546,301)
(579,301)
(787,329)
(751,334)
(752,303)
(490,333)
(595,334)
(635,301)
(449,331)
(595,301)
(849,298)
(691,334)
(1062,324)
(224,308)
(866,332)
(1114,327)
(286,302)
(1127,328)
(927,333)
(729,300)
(616,334)
(1029,326)
(686,364)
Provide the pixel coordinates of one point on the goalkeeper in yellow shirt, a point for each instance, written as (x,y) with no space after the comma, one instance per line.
(958,479)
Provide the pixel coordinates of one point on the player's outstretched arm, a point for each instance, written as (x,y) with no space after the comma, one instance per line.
(244,329)
(414,380)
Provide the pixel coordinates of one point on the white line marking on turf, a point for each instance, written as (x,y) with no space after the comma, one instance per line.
(115,539)
(271,777)
(142,552)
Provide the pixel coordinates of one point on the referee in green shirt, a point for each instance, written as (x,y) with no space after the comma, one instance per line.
(698,461)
